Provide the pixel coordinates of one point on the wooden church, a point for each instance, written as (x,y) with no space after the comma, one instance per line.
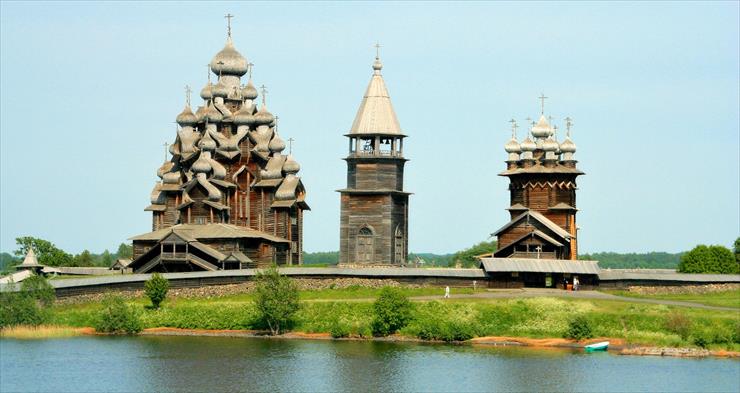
(374,205)
(539,245)
(228,198)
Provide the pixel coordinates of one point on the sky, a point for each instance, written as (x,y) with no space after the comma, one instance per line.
(89,93)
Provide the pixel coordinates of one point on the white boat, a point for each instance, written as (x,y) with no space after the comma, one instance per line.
(602,346)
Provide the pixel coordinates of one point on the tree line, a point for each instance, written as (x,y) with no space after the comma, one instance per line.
(49,254)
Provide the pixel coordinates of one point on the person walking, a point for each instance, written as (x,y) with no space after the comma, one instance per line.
(447,292)
(576,283)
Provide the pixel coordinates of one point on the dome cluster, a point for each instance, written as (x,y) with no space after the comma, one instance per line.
(541,142)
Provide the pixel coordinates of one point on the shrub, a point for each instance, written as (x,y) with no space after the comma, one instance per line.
(446,330)
(276,299)
(18,309)
(392,311)
(39,289)
(117,317)
(679,324)
(701,340)
(339,330)
(579,328)
(156,289)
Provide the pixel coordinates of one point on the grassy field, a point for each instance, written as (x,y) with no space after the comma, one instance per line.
(453,319)
(723,298)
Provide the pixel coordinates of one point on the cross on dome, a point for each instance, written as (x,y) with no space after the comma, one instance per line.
(290,145)
(264,93)
(542,104)
(187,94)
(250,65)
(568,124)
(228,24)
(514,126)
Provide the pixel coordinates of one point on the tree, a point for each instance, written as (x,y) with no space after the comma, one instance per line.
(737,250)
(156,289)
(125,251)
(392,312)
(709,259)
(276,299)
(117,317)
(46,252)
(38,288)
(84,258)
(468,255)
(106,259)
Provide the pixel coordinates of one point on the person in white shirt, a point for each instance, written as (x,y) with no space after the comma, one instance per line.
(447,292)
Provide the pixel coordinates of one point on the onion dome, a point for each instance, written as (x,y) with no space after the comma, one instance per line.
(291,166)
(568,146)
(528,145)
(207,143)
(229,61)
(277,144)
(206,92)
(263,117)
(377,65)
(186,117)
(220,89)
(213,115)
(202,164)
(244,116)
(512,146)
(550,144)
(249,92)
(166,167)
(542,128)
(200,114)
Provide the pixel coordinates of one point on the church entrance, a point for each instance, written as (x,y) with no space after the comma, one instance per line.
(365,245)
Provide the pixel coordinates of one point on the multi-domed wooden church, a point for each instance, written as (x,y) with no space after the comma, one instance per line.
(229,197)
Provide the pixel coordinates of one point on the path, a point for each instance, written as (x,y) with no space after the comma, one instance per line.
(543,292)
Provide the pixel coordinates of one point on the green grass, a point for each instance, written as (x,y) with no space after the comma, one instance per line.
(454,319)
(722,299)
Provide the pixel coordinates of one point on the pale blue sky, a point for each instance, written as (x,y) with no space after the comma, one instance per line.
(89,93)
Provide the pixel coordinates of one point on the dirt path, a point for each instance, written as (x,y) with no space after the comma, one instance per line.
(542,292)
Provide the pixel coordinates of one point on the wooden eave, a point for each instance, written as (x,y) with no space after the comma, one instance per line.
(535,232)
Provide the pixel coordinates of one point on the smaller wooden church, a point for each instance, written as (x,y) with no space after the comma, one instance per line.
(539,245)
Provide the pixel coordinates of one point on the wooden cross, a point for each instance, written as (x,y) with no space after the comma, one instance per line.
(539,250)
(187,94)
(377,50)
(264,93)
(530,121)
(208,72)
(542,105)
(228,24)
(513,128)
(250,65)
(290,145)
(165,150)
(568,124)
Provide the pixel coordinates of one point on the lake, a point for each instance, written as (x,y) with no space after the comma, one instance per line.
(200,364)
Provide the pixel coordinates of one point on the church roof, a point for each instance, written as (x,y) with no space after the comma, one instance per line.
(376,114)
(540,218)
(209,231)
(30,260)
(539,265)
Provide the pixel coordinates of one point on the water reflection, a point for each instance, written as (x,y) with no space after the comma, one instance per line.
(191,364)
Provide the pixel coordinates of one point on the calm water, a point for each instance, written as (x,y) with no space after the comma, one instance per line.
(207,364)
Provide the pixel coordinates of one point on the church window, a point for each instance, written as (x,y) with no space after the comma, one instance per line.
(365,245)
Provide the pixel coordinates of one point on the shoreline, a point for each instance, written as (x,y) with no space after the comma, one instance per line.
(616,345)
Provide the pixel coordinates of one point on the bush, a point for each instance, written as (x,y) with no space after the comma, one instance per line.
(117,317)
(701,340)
(709,259)
(446,330)
(679,324)
(392,311)
(18,309)
(156,289)
(339,330)
(579,328)
(39,289)
(276,299)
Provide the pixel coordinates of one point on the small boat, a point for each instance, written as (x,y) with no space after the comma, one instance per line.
(602,346)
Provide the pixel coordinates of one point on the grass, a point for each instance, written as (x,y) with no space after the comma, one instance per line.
(722,299)
(349,312)
(37,332)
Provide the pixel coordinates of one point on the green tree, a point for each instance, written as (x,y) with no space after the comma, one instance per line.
(468,255)
(106,259)
(38,288)
(392,311)
(125,251)
(84,258)
(117,317)
(46,252)
(737,250)
(276,299)
(709,259)
(156,289)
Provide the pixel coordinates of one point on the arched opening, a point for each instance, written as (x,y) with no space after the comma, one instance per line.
(399,246)
(365,245)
